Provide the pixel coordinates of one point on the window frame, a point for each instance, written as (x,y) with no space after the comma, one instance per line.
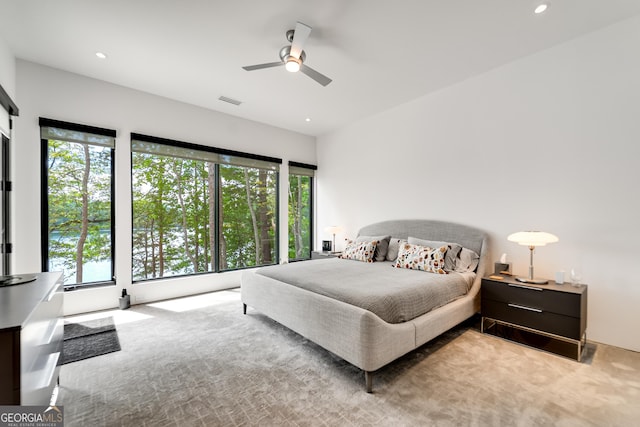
(221,152)
(311,176)
(12,110)
(44,197)
(5,196)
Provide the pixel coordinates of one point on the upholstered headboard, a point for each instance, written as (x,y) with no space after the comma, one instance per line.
(469,237)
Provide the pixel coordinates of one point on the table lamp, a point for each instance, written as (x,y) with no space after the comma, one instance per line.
(532,239)
(333,229)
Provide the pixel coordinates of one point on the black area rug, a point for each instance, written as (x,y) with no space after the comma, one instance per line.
(89,339)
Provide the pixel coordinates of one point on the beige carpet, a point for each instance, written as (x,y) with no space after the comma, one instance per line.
(199,362)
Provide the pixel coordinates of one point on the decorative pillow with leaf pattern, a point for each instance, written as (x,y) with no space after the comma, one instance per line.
(416,257)
(359,251)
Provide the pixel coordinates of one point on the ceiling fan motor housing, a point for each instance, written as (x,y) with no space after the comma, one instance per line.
(285,53)
(289,35)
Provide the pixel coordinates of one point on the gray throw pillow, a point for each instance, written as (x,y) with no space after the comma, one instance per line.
(394,248)
(450,257)
(381,249)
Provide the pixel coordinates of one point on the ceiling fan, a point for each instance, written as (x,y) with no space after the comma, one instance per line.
(292,57)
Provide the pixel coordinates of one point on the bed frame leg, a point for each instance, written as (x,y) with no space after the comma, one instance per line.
(368,378)
(244,308)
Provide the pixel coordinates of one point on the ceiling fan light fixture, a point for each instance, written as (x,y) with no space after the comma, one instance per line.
(292,65)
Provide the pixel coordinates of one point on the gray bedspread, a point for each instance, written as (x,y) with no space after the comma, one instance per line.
(395,295)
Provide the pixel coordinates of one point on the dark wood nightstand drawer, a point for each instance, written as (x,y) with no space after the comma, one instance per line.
(556,311)
(567,304)
(534,318)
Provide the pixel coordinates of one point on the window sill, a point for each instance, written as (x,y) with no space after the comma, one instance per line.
(77,287)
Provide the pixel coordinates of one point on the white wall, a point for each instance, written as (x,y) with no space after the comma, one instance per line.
(55,94)
(550,142)
(7,70)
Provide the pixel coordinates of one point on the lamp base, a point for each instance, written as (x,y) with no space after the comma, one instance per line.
(534,280)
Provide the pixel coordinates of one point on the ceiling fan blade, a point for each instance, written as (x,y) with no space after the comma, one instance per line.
(300,36)
(261,66)
(320,78)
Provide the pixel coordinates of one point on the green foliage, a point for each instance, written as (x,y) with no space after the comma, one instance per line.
(172,221)
(299,217)
(249,239)
(66,167)
(173,226)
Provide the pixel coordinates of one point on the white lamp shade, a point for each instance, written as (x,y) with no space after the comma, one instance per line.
(333,229)
(532,238)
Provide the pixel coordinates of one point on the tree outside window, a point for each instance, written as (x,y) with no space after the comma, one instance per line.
(197,211)
(77,215)
(171,222)
(300,212)
(247,217)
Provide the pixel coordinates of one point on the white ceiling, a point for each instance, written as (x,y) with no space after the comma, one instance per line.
(379,53)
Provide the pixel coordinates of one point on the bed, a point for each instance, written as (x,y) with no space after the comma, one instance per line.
(361,327)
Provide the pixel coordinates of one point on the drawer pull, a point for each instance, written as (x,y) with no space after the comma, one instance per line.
(513,285)
(525,308)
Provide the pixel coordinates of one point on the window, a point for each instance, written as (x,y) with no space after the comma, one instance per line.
(7,109)
(5,245)
(77,201)
(300,210)
(171,221)
(248,216)
(198,209)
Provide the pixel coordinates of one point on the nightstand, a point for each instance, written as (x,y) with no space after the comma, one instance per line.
(321,255)
(552,310)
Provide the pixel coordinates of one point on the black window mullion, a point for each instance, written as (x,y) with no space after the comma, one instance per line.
(311,198)
(113,215)
(5,242)
(277,231)
(44,204)
(218,231)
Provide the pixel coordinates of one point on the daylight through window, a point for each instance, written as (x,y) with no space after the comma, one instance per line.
(198,209)
(77,171)
(300,211)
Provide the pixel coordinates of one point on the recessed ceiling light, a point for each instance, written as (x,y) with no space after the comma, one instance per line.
(308,119)
(541,8)
(101,55)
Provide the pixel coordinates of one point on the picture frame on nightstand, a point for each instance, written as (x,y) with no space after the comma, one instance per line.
(326,246)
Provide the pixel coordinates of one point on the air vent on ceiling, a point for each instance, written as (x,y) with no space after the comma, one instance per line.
(230,100)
